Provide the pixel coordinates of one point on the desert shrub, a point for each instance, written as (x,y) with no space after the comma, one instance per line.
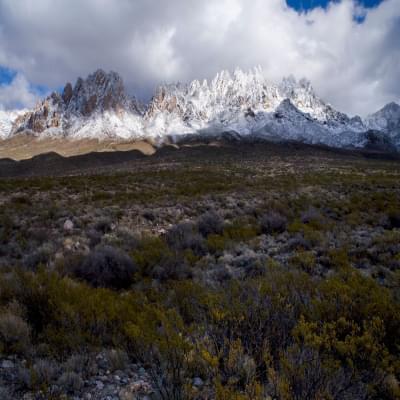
(107,267)
(150,251)
(311,215)
(221,274)
(295,227)
(310,220)
(171,268)
(70,382)
(273,222)
(239,231)
(70,316)
(255,268)
(149,215)
(40,256)
(6,394)
(14,334)
(81,364)
(158,339)
(41,375)
(94,237)
(304,374)
(76,363)
(21,201)
(210,223)
(239,368)
(156,260)
(103,225)
(39,235)
(304,260)
(394,218)
(216,243)
(184,236)
(338,258)
(124,239)
(249,261)
(117,359)
(298,242)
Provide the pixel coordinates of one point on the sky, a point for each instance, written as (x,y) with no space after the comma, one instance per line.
(348,49)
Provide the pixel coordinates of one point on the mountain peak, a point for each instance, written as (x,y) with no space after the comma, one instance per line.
(90,98)
(99,92)
(392,106)
(241,101)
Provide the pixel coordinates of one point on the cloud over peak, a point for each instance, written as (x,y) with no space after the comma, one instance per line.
(352,65)
(17,94)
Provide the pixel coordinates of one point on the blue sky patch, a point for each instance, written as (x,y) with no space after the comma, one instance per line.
(6,75)
(305,5)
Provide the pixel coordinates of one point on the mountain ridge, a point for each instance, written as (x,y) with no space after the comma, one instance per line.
(243,102)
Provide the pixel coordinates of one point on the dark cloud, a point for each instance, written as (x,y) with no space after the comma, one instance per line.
(352,65)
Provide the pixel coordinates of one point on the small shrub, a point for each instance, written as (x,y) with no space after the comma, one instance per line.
(76,363)
(171,268)
(222,274)
(313,218)
(21,200)
(298,242)
(107,267)
(103,225)
(5,394)
(44,372)
(273,222)
(70,382)
(117,359)
(39,235)
(149,215)
(81,364)
(210,223)
(94,237)
(150,251)
(14,334)
(304,260)
(216,243)
(184,236)
(40,256)
(239,232)
(394,219)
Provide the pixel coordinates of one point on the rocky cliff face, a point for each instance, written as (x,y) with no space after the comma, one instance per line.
(100,92)
(84,104)
(245,103)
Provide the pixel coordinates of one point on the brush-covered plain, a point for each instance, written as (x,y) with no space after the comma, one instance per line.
(236,275)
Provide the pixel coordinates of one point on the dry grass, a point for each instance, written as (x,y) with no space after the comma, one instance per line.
(22,147)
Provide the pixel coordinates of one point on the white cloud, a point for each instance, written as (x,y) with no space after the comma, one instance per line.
(353,66)
(17,94)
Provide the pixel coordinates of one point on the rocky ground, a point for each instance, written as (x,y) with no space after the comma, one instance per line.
(107,375)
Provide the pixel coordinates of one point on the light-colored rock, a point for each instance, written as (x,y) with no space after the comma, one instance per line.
(198,382)
(7,364)
(68,225)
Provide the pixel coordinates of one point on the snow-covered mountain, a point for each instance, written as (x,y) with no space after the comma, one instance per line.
(7,120)
(387,120)
(246,103)
(97,107)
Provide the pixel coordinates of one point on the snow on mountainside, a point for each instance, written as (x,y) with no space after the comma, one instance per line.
(7,120)
(387,120)
(247,103)
(98,107)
